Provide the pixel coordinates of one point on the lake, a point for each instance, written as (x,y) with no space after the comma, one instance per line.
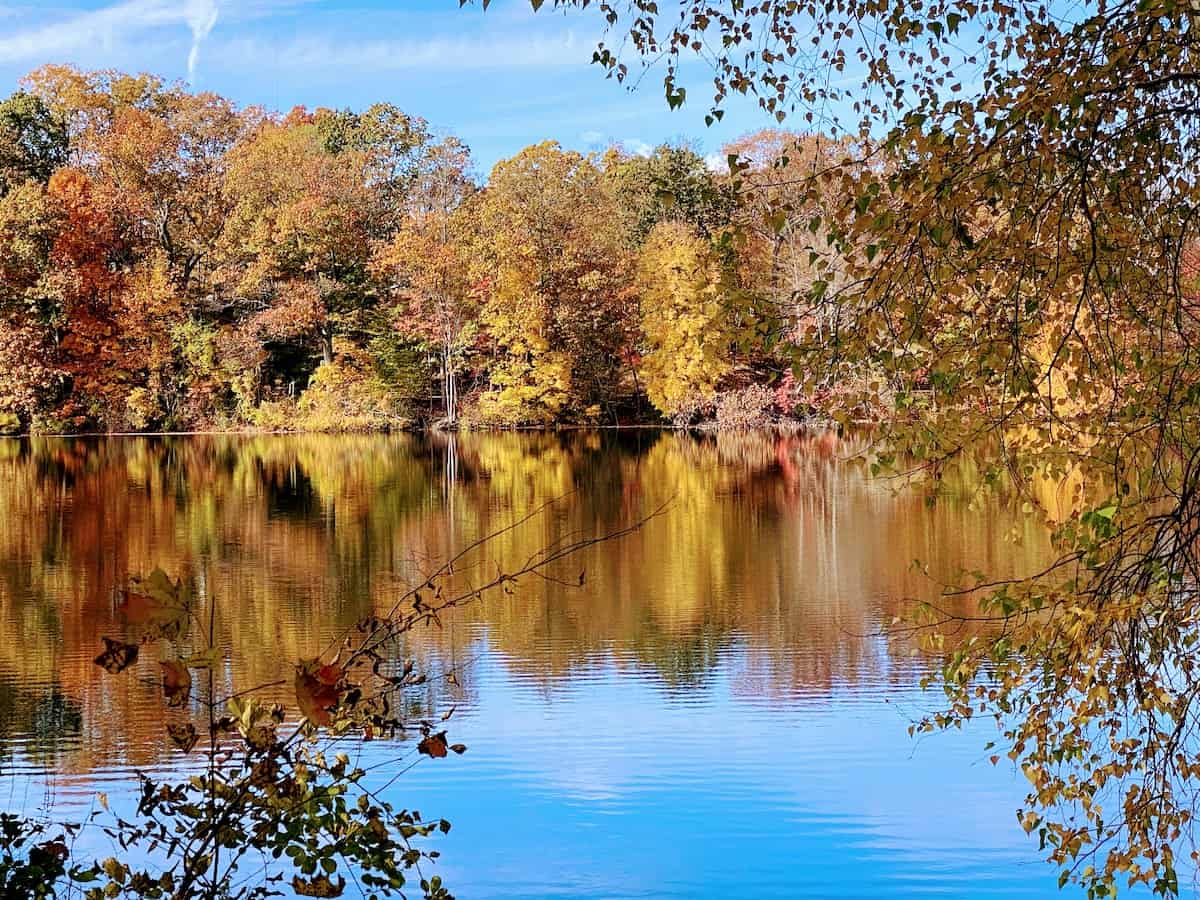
(718,711)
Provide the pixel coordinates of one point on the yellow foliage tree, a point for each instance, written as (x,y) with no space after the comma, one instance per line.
(554,267)
(683,315)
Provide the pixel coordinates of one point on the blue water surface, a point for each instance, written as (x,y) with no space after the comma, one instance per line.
(718,711)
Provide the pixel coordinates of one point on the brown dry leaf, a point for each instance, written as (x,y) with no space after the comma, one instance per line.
(137,608)
(117,656)
(156,604)
(157,618)
(176,682)
(183,736)
(434,745)
(330,674)
(317,690)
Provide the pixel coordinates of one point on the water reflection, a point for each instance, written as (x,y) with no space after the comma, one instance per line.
(753,604)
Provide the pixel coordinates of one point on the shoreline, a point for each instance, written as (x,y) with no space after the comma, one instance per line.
(791,427)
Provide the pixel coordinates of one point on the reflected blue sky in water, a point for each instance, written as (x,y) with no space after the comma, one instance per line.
(714,714)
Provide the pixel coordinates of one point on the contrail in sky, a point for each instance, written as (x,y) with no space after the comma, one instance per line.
(201,18)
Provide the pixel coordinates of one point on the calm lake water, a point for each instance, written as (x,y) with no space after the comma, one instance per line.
(713,714)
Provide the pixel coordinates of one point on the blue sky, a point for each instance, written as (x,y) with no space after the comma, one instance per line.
(499,80)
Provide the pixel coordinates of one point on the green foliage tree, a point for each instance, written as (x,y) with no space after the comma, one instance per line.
(33,141)
(396,154)
(672,183)
(30,307)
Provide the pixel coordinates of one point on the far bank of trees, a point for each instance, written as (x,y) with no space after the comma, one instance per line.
(169,260)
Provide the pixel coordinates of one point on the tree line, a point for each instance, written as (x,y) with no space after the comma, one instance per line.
(171,260)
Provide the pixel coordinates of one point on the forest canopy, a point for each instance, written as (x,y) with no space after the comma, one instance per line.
(174,261)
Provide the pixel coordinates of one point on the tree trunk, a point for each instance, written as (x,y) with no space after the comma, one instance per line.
(449,385)
(327,345)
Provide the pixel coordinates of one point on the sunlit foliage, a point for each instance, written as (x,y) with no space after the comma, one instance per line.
(683,293)
(556,294)
(171,261)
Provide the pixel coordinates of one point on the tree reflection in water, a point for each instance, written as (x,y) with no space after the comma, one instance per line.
(780,546)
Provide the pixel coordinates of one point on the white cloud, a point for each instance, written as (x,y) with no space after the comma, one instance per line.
(130,28)
(54,39)
(716,162)
(498,51)
(61,36)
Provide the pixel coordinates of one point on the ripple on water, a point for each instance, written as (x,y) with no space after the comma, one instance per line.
(713,714)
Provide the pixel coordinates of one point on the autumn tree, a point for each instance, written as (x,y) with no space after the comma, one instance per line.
(229,246)
(152,155)
(429,258)
(86,265)
(297,241)
(166,167)
(777,210)
(87,103)
(557,303)
(169,168)
(683,292)
(778,221)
